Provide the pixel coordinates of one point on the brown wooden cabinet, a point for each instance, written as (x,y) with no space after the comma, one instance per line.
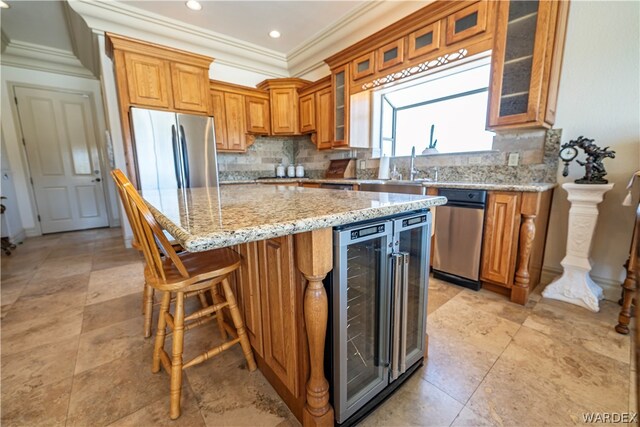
(148,80)
(249,295)
(468,22)
(229,119)
(258,121)
(340,90)
(283,97)
(279,308)
(515,232)
(526,62)
(500,237)
(190,87)
(324,136)
(237,109)
(308,113)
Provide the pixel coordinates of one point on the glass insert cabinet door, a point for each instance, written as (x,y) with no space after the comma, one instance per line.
(412,240)
(360,315)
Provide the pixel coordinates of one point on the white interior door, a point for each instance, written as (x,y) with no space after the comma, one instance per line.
(60,140)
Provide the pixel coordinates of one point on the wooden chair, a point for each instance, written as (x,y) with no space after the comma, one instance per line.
(122,182)
(183,275)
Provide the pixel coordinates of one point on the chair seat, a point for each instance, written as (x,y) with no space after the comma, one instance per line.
(200,265)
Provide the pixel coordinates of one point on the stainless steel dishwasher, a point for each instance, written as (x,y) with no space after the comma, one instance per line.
(458,237)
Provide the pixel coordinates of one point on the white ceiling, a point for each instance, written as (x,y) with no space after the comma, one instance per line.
(251,21)
(37,22)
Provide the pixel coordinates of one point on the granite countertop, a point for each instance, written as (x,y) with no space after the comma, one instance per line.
(525,187)
(207,218)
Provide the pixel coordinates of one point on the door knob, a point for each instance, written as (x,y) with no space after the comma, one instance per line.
(96,180)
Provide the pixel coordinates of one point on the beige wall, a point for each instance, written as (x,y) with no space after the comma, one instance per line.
(599,98)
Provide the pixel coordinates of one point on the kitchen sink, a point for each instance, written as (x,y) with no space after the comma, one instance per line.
(404,187)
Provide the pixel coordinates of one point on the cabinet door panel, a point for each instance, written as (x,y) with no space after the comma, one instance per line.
(248,287)
(279,300)
(307,113)
(236,125)
(324,119)
(219,118)
(424,40)
(390,55)
(502,221)
(190,86)
(147,80)
(363,66)
(284,111)
(257,115)
(340,119)
(467,22)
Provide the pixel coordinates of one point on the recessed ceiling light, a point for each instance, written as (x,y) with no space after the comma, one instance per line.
(274,34)
(194,5)
(3,5)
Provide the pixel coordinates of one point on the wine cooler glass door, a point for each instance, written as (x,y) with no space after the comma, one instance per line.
(412,239)
(361,315)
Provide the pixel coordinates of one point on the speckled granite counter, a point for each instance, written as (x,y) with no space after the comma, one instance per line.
(202,219)
(527,187)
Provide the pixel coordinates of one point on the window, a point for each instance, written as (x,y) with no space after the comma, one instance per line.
(452,102)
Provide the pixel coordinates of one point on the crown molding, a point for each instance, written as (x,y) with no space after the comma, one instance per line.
(43,58)
(353,27)
(119,18)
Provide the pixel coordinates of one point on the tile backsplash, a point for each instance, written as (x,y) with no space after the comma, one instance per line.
(537,150)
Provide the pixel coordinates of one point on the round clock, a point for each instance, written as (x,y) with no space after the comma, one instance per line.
(568,153)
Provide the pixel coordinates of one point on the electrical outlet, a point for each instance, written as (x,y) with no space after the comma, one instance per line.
(362,164)
(514,159)
(474,160)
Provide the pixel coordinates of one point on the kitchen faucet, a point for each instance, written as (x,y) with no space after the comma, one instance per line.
(412,169)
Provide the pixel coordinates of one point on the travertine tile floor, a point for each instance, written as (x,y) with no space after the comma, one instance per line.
(73,354)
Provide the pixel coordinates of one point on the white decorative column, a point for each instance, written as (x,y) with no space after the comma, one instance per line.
(575,285)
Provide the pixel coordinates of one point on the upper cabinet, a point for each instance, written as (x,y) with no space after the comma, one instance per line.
(526,63)
(239,113)
(158,77)
(468,22)
(283,97)
(340,90)
(190,87)
(316,104)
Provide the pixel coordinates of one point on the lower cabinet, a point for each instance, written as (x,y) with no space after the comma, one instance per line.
(515,233)
(270,292)
(278,294)
(500,237)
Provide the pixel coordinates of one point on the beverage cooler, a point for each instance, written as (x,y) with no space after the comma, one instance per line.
(377,316)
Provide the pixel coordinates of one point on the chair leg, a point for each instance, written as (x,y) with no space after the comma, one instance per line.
(237,322)
(161,333)
(148,309)
(217,299)
(176,356)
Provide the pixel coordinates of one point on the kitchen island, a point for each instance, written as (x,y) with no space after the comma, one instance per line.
(285,237)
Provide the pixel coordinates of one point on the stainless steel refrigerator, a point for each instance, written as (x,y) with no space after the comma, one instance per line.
(378,313)
(174,150)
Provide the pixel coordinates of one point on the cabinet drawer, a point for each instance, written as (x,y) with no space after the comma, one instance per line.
(148,80)
(467,22)
(190,87)
(424,40)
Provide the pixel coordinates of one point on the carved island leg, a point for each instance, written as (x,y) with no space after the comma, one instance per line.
(314,254)
(630,283)
(628,292)
(520,290)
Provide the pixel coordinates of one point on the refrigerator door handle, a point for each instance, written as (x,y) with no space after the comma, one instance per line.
(396,287)
(177,164)
(185,157)
(403,314)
